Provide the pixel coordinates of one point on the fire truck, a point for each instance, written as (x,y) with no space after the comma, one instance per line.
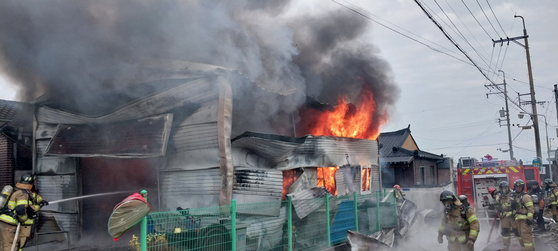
(475,177)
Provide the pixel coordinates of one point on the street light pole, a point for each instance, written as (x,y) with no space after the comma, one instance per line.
(547,143)
(507,115)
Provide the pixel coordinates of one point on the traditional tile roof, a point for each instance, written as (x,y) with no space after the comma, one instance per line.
(391,150)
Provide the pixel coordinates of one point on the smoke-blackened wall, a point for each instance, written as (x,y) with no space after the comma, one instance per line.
(82,52)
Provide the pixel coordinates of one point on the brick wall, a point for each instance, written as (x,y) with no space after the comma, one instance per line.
(6,161)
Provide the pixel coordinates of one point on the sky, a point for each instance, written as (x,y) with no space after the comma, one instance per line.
(443,97)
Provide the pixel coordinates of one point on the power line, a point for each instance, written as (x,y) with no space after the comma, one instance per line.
(476,19)
(496,17)
(467,28)
(488,19)
(462,51)
(400,33)
(378,17)
(461,34)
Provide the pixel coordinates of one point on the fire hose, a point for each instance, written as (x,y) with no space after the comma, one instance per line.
(16,237)
(492,227)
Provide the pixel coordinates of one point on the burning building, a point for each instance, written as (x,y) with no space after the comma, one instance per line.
(177,144)
(281,102)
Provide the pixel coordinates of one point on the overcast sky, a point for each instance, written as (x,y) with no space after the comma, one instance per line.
(444,99)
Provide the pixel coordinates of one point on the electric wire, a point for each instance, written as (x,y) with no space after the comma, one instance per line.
(461,50)
(525,149)
(475,139)
(461,34)
(378,17)
(400,33)
(464,25)
(476,19)
(495,17)
(480,6)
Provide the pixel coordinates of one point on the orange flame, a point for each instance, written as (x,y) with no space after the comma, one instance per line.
(289,177)
(326,178)
(366,179)
(348,120)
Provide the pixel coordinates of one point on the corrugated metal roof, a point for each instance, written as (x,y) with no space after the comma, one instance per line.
(309,151)
(309,200)
(192,91)
(144,138)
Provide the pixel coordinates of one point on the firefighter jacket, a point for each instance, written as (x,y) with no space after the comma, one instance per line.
(504,205)
(540,196)
(459,224)
(22,206)
(525,208)
(399,195)
(553,195)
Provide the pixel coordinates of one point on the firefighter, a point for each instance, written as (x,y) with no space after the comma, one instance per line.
(505,212)
(494,194)
(399,195)
(552,191)
(523,205)
(22,207)
(535,189)
(459,224)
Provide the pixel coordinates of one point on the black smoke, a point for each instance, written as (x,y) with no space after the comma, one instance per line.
(83,52)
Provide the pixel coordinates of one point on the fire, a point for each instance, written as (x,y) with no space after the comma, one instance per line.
(326,178)
(345,120)
(348,120)
(366,179)
(289,177)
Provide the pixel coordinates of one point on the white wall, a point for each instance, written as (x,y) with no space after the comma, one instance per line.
(426,197)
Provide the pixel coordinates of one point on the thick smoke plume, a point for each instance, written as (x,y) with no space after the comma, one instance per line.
(82,52)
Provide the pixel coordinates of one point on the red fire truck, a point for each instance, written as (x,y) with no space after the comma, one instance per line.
(474,180)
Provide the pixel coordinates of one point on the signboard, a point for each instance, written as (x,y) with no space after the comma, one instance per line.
(538,163)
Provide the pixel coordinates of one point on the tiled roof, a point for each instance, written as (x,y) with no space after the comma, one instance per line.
(16,114)
(389,140)
(391,147)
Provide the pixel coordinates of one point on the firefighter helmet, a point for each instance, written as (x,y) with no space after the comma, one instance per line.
(519,183)
(503,184)
(27,178)
(447,195)
(548,181)
(397,187)
(463,199)
(531,183)
(491,190)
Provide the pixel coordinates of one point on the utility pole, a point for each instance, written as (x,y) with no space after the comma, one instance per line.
(531,84)
(507,113)
(556,100)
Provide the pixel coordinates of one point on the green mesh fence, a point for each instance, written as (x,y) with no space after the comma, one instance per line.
(190,229)
(310,224)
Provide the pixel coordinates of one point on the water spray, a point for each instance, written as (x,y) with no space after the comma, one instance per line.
(87,196)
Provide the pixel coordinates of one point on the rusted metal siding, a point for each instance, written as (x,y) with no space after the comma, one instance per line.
(135,139)
(258,185)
